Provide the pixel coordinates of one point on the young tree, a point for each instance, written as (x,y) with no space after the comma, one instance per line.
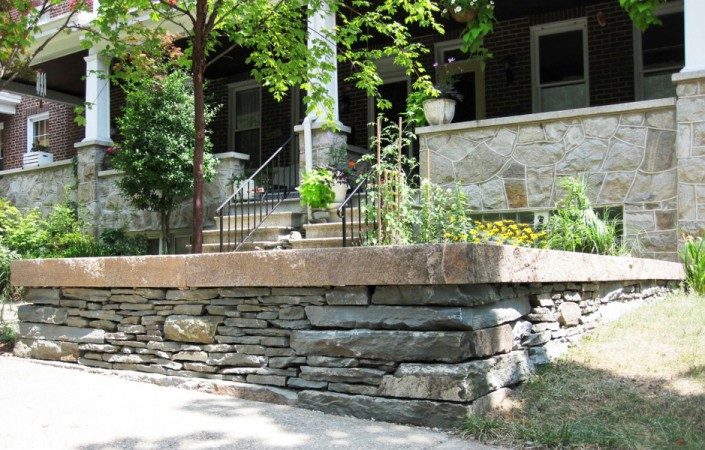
(157,148)
(20,22)
(275,33)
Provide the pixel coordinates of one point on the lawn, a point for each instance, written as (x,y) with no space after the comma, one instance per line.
(636,383)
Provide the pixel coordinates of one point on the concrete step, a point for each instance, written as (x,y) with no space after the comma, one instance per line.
(332,230)
(277,218)
(249,246)
(263,233)
(317,243)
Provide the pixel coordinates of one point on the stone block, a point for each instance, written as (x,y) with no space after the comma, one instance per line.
(199,356)
(81,304)
(299,383)
(91,295)
(348,295)
(441,295)
(272,380)
(191,294)
(245,323)
(200,367)
(127,359)
(443,346)
(327,361)
(103,324)
(42,296)
(417,318)
(457,382)
(282,362)
(189,310)
(569,314)
(243,292)
(342,374)
(127,298)
(44,349)
(95,363)
(61,333)
(191,328)
(42,314)
(236,359)
(292,313)
(355,389)
(415,412)
(491,341)
(151,294)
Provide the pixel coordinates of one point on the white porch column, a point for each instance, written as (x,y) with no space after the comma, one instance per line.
(694,14)
(320,23)
(97,98)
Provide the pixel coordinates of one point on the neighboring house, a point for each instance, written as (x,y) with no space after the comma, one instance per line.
(573,89)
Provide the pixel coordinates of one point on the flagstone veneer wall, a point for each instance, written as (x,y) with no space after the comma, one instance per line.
(626,153)
(432,341)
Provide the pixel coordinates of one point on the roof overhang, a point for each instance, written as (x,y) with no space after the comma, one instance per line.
(9,102)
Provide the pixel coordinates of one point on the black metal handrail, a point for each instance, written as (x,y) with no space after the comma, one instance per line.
(361,193)
(256,198)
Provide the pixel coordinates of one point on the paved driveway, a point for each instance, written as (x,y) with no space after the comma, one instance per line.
(46,407)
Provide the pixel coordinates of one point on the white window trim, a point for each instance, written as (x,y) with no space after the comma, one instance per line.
(467,66)
(669,8)
(30,127)
(233,88)
(2,128)
(554,28)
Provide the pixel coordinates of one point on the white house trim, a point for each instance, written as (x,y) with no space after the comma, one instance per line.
(9,102)
(233,88)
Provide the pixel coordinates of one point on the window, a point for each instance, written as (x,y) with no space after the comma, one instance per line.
(395,88)
(659,52)
(245,120)
(559,62)
(469,77)
(38,132)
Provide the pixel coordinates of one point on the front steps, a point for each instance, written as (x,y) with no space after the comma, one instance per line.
(283,229)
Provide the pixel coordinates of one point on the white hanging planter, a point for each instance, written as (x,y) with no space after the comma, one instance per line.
(439,111)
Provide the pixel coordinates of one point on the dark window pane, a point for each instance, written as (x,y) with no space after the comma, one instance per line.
(396,93)
(247,142)
(561,57)
(465,109)
(663,45)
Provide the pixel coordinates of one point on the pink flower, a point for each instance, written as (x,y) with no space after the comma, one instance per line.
(451,60)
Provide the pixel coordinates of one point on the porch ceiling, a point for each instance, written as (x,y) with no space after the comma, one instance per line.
(511,9)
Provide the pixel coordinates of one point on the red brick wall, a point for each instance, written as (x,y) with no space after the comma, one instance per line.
(63,131)
(65,7)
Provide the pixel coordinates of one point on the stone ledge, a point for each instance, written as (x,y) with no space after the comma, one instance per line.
(413,265)
(23,170)
(550,116)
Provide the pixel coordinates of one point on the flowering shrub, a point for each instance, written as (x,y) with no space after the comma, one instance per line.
(502,232)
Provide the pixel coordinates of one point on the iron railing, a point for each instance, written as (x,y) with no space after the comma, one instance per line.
(256,198)
(358,200)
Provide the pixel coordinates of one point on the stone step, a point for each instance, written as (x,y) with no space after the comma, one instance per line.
(317,243)
(249,246)
(332,229)
(263,233)
(277,218)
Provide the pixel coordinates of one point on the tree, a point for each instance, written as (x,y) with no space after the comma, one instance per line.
(275,33)
(20,22)
(157,148)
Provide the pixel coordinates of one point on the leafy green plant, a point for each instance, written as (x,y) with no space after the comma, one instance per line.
(116,242)
(643,12)
(693,257)
(315,188)
(443,214)
(477,28)
(157,151)
(575,226)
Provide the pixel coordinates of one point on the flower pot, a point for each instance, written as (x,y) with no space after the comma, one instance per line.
(464,15)
(439,111)
(340,190)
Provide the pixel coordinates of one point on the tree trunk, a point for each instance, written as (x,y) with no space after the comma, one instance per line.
(165,218)
(198,68)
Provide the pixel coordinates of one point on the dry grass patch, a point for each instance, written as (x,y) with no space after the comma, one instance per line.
(636,383)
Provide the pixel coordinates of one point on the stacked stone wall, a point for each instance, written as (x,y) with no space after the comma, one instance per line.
(417,354)
(626,154)
(39,188)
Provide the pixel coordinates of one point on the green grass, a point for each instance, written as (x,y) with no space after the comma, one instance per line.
(636,383)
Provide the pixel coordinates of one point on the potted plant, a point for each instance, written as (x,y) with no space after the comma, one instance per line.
(343,171)
(479,17)
(441,109)
(315,188)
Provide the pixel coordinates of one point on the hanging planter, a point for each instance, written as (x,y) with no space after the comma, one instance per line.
(439,111)
(465,15)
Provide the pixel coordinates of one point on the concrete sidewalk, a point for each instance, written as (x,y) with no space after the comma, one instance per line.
(46,407)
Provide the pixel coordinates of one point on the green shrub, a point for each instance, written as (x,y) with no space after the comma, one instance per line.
(693,257)
(7,334)
(315,188)
(115,242)
(575,226)
(6,257)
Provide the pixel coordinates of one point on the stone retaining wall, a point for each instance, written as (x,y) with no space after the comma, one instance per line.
(425,354)
(626,153)
(39,187)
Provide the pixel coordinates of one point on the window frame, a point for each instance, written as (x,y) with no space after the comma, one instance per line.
(31,120)
(233,89)
(465,66)
(673,7)
(2,132)
(579,24)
